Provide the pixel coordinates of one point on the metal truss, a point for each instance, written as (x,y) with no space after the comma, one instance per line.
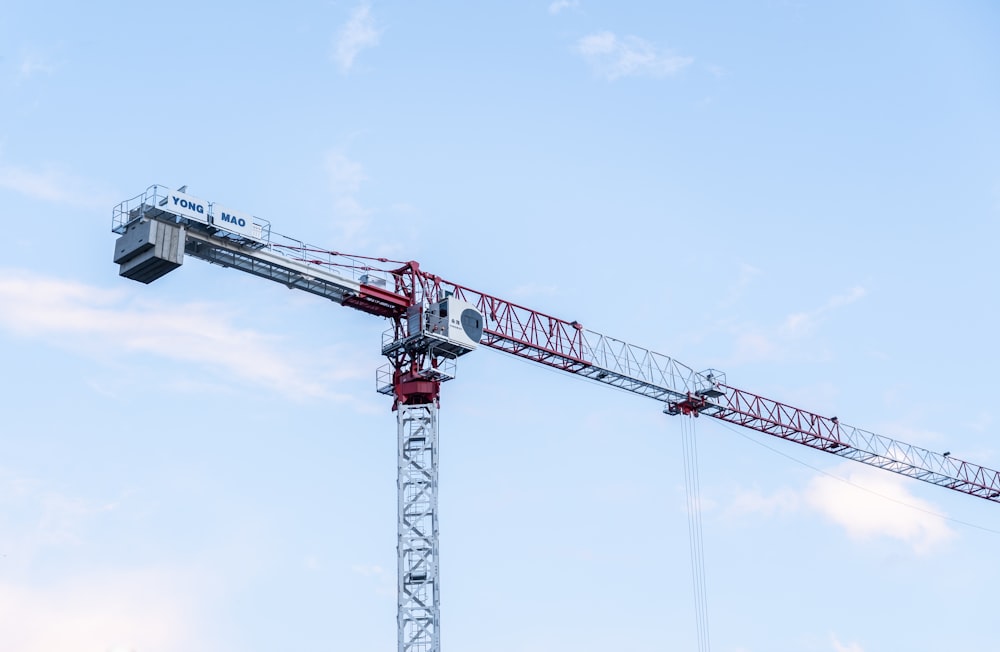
(419,612)
(417,368)
(830,435)
(567,346)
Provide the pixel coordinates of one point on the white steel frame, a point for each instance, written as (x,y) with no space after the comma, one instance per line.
(418,595)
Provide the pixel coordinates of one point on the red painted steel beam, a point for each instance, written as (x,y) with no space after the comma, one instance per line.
(828,434)
(527,333)
(558,343)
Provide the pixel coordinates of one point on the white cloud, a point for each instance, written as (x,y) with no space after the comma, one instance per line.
(116,610)
(715,70)
(345,177)
(755,343)
(54,185)
(752,346)
(802,322)
(111,608)
(96,321)
(869,504)
(356,35)
(34,518)
(366,570)
(630,56)
(383,583)
(885,508)
(33,64)
(351,216)
(746,276)
(560,5)
(840,647)
(754,502)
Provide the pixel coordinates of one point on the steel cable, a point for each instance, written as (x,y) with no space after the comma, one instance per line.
(693,491)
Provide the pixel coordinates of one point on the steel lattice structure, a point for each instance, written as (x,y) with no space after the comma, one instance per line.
(418,583)
(159,227)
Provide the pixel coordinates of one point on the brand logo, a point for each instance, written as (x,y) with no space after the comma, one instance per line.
(191,206)
(232,219)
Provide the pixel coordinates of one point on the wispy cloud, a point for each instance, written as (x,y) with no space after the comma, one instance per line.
(612,57)
(54,185)
(33,64)
(383,583)
(35,518)
(352,218)
(752,345)
(91,320)
(868,504)
(560,5)
(112,609)
(841,647)
(366,570)
(345,175)
(357,34)
(897,515)
(715,70)
(344,178)
(115,611)
(753,501)
(801,322)
(737,290)
(757,342)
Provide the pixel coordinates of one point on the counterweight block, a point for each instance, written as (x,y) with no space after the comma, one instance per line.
(149,249)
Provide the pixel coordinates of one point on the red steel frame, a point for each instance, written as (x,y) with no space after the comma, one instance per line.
(561,344)
(558,343)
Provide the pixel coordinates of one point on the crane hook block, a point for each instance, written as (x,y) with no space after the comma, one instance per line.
(149,249)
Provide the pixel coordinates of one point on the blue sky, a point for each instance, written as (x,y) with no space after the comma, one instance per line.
(805,195)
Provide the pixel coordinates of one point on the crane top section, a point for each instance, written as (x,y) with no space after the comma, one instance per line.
(160,226)
(211,217)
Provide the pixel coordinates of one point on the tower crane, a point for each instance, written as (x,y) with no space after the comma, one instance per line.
(433,322)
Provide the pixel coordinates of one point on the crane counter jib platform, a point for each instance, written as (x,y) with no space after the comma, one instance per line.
(434,322)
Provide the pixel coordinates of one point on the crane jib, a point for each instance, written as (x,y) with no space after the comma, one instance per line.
(159,227)
(830,435)
(191,226)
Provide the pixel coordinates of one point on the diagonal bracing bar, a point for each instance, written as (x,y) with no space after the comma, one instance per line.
(828,434)
(203,230)
(418,593)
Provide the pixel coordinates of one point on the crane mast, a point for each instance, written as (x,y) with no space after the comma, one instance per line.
(433,322)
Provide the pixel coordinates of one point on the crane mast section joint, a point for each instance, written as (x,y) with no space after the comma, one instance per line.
(418,558)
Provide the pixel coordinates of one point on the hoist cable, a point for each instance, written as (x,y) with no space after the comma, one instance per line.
(695,538)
